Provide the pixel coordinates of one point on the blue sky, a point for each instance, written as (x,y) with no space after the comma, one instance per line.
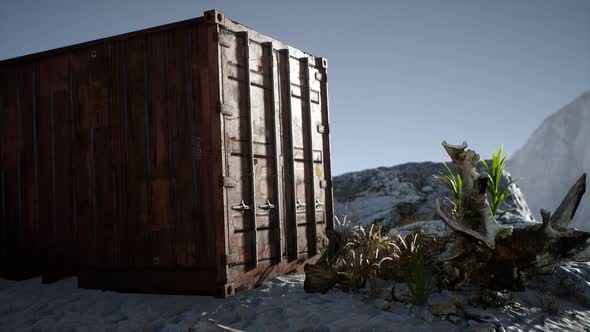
(404,75)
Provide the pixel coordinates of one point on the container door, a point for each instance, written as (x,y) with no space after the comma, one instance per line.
(251,130)
(305,163)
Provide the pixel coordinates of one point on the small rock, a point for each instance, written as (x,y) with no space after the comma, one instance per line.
(401,292)
(481,327)
(443,304)
(426,315)
(427,189)
(480,315)
(496,299)
(381,304)
(454,319)
(395,306)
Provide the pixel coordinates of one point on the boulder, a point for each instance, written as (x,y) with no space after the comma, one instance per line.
(556,152)
(405,194)
(570,280)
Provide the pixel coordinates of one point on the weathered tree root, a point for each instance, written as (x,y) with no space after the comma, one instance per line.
(498,256)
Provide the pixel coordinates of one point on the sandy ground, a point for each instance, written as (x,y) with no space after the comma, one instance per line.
(279,305)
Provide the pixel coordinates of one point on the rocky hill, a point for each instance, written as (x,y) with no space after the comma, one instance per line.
(404,194)
(554,156)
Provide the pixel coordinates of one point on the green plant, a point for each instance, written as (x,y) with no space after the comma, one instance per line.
(494,176)
(383,228)
(415,260)
(454,182)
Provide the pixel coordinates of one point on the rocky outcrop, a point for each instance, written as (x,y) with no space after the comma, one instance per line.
(405,194)
(571,281)
(553,157)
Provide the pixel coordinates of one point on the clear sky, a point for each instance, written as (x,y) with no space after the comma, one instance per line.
(404,75)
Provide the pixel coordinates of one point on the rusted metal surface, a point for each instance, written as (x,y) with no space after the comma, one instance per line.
(192,157)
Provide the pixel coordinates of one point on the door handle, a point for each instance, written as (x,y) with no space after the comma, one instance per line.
(267,206)
(299,204)
(242,207)
(318,203)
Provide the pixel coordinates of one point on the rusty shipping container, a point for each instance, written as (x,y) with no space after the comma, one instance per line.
(188,158)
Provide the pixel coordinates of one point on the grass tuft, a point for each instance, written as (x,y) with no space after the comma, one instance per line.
(416,263)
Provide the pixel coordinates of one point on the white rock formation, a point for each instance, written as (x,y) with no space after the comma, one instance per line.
(553,158)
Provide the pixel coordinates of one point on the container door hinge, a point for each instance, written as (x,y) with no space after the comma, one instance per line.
(319,76)
(226,291)
(323,184)
(224,109)
(227,182)
(322,129)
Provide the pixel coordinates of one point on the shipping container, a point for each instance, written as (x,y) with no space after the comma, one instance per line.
(188,158)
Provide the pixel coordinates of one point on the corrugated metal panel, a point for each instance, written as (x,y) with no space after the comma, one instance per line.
(194,151)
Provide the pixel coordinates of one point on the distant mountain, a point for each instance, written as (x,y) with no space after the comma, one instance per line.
(404,194)
(553,157)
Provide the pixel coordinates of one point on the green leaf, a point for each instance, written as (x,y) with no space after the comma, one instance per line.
(485,164)
(494,177)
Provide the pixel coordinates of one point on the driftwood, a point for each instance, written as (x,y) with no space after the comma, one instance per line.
(482,252)
(496,256)
(475,216)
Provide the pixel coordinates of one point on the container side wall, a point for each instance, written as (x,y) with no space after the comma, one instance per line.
(183,159)
(60,236)
(83,156)
(30,248)
(118,254)
(207,145)
(10,171)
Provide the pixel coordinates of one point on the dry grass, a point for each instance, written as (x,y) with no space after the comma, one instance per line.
(357,253)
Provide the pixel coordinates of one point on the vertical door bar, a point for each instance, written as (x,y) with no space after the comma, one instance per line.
(276,144)
(322,64)
(312,200)
(252,170)
(287,95)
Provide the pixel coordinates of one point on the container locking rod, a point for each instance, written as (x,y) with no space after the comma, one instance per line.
(299,204)
(242,207)
(267,206)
